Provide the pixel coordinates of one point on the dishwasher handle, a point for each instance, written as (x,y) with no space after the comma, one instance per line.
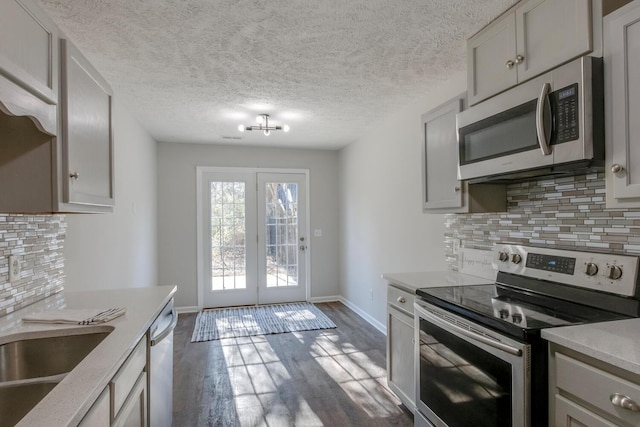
(169,329)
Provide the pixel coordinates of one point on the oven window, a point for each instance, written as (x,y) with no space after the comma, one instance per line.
(462,384)
(512,131)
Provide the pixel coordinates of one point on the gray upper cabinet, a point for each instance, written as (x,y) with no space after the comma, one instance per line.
(622,106)
(442,191)
(87,138)
(56,130)
(28,63)
(529,39)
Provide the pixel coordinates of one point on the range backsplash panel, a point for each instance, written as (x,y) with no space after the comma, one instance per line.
(37,241)
(566,213)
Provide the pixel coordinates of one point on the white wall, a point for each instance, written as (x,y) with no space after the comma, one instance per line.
(177,209)
(119,249)
(383,228)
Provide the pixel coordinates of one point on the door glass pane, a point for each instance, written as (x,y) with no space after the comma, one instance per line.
(281,235)
(228,251)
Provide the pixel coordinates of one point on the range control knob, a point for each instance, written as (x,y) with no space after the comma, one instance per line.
(516,258)
(591,269)
(615,272)
(503,256)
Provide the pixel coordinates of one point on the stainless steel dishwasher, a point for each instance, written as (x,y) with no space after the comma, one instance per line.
(161,367)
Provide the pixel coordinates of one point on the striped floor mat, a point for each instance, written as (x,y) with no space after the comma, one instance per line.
(260,320)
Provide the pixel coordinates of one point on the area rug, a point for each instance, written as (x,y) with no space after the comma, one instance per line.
(258,320)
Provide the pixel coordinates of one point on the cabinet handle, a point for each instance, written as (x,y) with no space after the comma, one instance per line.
(401,300)
(624,402)
(509,64)
(519,59)
(74,175)
(616,168)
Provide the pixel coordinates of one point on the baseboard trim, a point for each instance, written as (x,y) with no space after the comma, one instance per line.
(379,326)
(187,309)
(333,298)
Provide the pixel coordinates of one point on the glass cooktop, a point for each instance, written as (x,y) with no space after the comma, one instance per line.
(510,310)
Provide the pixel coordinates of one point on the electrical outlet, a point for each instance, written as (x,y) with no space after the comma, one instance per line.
(455,246)
(15,268)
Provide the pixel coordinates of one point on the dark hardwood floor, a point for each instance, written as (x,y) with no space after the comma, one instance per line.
(331,377)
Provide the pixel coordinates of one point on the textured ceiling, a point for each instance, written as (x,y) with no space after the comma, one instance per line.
(192,70)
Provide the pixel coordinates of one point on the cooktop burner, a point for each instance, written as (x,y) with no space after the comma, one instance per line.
(539,288)
(515,312)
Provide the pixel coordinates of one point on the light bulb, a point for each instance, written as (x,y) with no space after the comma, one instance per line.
(286,128)
(267,133)
(260,119)
(242,128)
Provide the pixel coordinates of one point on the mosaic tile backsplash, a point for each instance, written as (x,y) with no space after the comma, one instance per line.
(566,213)
(37,240)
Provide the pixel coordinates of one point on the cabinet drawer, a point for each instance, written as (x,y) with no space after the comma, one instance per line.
(400,299)
(124,381)
(596,387)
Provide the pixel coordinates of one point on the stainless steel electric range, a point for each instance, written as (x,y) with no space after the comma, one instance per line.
(480,358)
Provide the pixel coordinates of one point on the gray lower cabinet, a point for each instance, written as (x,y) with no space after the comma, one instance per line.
(124,402)
(442,192)
(622,106)
(400,345)
(588,392)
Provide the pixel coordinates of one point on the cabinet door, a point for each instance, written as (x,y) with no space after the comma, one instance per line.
(570,414)
(134,411)
(488,55)
(441,188)
(400,356)
(28,48)
(28,64)
(87,132)
(622,95)
(99,415)
(550,33)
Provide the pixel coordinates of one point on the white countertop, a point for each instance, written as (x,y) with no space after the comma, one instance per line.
(616,343)
(432,279)
(68,402)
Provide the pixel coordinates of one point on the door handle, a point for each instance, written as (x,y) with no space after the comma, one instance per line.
(544,139)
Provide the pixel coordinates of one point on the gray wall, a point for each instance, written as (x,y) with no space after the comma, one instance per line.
(177,209)
(383,228)
(118,250)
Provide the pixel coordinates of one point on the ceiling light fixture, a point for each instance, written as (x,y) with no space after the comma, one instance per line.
(263,125)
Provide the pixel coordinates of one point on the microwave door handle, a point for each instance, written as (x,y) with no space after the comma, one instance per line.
(544,138)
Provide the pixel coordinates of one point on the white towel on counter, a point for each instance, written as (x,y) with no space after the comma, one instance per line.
(84,316)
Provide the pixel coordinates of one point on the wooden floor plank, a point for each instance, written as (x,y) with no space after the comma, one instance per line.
(330,377)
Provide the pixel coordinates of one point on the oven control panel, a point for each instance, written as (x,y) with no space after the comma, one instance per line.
(612,273)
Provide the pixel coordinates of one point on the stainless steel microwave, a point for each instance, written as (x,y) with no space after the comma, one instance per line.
(552,125)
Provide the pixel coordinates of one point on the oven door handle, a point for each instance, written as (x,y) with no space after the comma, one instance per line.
(469,334)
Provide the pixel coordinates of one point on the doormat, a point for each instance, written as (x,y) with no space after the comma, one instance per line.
(259,320)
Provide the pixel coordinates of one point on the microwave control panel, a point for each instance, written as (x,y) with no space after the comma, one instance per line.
(565,110)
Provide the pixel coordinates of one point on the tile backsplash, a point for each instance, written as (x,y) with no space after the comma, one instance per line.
(566,213)
(37,241)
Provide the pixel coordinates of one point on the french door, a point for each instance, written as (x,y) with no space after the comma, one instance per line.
(252,237)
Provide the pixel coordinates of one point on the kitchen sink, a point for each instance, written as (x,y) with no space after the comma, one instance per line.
(16,400)
(46,356)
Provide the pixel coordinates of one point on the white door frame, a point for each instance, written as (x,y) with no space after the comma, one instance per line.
(200,171)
